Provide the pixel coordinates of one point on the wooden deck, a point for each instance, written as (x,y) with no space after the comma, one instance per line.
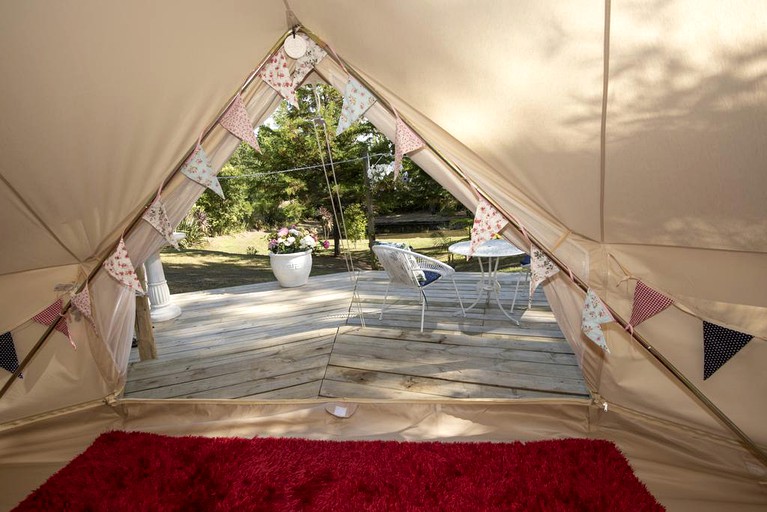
(266,342)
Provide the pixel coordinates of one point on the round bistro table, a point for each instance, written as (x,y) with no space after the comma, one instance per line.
(489,255)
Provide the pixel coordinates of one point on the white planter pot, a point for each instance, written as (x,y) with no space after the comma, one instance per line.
(291,270)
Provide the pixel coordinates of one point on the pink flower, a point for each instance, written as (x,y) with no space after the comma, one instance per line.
(325,244)
(282,232)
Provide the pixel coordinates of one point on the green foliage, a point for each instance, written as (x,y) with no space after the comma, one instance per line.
(195,225)
(356,223)
(260,195)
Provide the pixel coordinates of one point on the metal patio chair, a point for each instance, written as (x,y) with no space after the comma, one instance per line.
(409,269)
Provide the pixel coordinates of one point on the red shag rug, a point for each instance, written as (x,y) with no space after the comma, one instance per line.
(124,471)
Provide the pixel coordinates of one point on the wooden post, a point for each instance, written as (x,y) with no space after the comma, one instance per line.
(147,349)
(371,227)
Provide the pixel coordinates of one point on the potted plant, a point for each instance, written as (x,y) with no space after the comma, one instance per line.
(290,254)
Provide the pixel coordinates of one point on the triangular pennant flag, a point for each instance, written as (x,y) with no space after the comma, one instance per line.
(52,314)
(357,100)
(238,123)
(306,63)
(719,345)
(82,303)
(198,169)
(119,266)
(158,217)
(488,222)
(595,314)
(647,303)
(405,141)
(541,268)
(8,358)
(277,75)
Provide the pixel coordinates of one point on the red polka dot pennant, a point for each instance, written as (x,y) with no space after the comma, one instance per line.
(647,303)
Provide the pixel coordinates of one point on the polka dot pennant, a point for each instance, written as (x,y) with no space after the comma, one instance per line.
(488,222)
(198,169)
(277,75)
(237,122)
(8,357)
(719,345)
(306,63)
(405,141)
(119,266)
(647,303)
(595,314)
(52,314)
(541,268)
(357,100)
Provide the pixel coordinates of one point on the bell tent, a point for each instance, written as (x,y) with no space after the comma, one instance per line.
(623,141)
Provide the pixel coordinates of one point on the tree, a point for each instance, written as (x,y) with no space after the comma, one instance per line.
(264,190)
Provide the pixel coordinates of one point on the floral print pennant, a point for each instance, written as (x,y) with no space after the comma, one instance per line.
(277,75)
(198,169)
(52,314)
(306,63)
(237,122)
(119,266)
(488,222)
(357,100)
(595,314)
(157,216)
(82,303)
(405,141)
(541,268)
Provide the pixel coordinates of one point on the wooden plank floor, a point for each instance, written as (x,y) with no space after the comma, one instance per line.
(266,342)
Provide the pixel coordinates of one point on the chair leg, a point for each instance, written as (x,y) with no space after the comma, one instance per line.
(516,290)
(423,308)
(529,281)
(455,286)
(384,301)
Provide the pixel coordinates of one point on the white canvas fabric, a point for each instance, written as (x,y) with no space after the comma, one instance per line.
(641,153)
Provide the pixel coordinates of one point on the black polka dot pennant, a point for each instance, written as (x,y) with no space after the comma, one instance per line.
(8,358)
(719,345)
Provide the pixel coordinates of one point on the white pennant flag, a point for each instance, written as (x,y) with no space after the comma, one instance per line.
(198,169)
(541,268)
(82,303)
(277,75)
(305,64)
(595,314)
(357,100)
(158,218)
(488,222)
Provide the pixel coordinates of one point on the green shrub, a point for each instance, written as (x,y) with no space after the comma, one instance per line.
(356,222)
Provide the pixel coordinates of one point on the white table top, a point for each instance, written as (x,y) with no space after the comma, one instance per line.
(496,248)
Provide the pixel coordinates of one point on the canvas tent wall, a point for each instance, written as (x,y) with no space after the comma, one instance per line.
(628,133)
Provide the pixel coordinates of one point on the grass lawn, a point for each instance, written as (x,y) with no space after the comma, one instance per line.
(225,261)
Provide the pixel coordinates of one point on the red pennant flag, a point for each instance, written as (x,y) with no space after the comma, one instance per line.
(647,303)
(52,314)
(238,123)
(719,345)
